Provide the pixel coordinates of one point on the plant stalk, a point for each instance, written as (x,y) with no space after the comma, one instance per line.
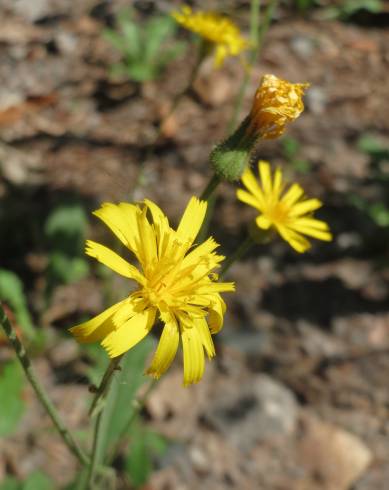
(25,362)
(243,248)
(98,400)
(97,408)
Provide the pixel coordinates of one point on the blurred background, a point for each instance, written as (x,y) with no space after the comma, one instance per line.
(297,398)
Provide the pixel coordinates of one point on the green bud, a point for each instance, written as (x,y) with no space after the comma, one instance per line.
(230,158)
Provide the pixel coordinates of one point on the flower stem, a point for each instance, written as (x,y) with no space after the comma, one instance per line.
(97,403)
(243,248)
(255,37)
(189,85)
(211,186)
(25,362)
(97,408)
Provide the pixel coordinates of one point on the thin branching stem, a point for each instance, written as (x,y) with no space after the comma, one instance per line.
(240,252)
(256,36)
(102,390)
(40,392)
(97,408)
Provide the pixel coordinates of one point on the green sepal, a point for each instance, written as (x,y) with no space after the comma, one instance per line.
(231,157)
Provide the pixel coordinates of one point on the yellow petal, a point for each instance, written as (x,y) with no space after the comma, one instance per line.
(203,250)
(122,220)
(250,182)
(292,195)
(147,247)
(130,333)
(192,219)
(166,350)
(263,222)
(205,336)
(220,55)
(304,207)
(112,260)
(193,355)
(216,314)
(265,175)
(277,184)
(249,199)
(215,287)
(314,228)
(132,307)
(97,327)
(295,240)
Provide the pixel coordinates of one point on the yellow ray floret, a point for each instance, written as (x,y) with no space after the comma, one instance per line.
(290,213)
(175,282)
(215,29)
(276,103)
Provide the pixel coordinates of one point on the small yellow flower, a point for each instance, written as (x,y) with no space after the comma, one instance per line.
(215,29)
(288,212)
(175,282)
(276,103)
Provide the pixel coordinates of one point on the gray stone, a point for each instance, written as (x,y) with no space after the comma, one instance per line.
(259,411)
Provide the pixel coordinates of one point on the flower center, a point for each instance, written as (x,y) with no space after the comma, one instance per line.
(278,213)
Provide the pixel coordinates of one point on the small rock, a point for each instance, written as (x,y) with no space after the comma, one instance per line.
(333,458)
(263,410)
(302,46)
(316,100)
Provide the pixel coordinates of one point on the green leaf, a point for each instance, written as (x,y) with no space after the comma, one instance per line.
(144,445)
(12,405)
(157,30)
(119,409)
(10,483)
(290,147)
(11,291)
(131,34)
(350,7)
(38,481)
(380,214)
(67,221)
(139,464)
(66,269)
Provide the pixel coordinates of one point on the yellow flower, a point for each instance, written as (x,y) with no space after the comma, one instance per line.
(175,282)
(215,29)
(288,212)
(276,103)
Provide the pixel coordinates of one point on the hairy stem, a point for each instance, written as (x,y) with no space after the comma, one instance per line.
(25,362)
(243,248)
(97,408)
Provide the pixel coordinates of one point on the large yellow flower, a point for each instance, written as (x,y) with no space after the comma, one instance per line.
(276,103)
(214,28)
(175,282)
(290,213)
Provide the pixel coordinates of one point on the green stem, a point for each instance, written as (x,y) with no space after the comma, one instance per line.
(255,37)
(243,248)
(202,50)
(95,453)
(97,403)
(97,408)
(211,186)
(25,362)
(177,99)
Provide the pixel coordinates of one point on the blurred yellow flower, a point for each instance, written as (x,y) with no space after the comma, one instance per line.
(215,29)
(288,212)
(276,103)
(175,282)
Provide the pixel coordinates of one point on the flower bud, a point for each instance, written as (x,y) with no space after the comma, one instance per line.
(276,103)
